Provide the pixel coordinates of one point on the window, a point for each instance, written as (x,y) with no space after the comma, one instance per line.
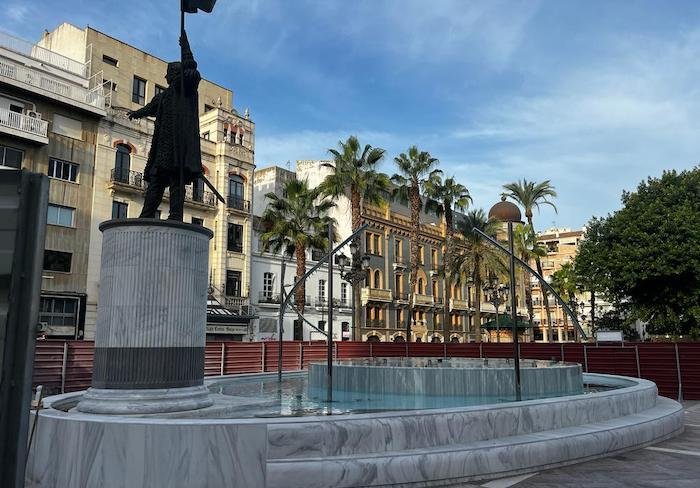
(377,247)
(435,288)
(58,215)
(398,248)
(399,318)
(236,194)
(158,90)
(344,293)
(235,238)
(110,60)
(205,136)
(322,325)
(59,312)
(421,255)
(197,221)
(420,286)
(11,157)
(207,108)
(373,243)
(119,210)
(398,283)
(268,284)
(57,261)
(198,190)
(111,85)
(66,126)
(122,163)
(322,290)
(138,92)
(377,279)
(434,258)
(233,283)
(63,170)
(18,109)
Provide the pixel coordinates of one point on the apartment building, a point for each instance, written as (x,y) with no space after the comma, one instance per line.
(128,78)
(50,111)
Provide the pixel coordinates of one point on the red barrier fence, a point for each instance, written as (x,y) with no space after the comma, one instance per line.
(62,366)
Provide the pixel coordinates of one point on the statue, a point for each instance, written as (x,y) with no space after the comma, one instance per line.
(175,156)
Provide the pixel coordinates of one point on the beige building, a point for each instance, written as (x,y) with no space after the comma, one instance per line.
(129,78)
(49,116)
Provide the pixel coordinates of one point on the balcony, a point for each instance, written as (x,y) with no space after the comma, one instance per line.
(423,300)
(400,263)
(456,304)
(133,182)
(44,55)
(238,204)
(17,74)
(238,304)
(269,299)
(376,324)
(24,126)
(400,297)
(434,269)
(375,295)
(439,302)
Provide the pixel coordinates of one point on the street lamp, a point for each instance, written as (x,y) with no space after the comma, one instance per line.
(357,272)
(497,294)
(509,212)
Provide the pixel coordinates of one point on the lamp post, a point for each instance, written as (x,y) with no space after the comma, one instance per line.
(357,272)
(509,212)
(497,294)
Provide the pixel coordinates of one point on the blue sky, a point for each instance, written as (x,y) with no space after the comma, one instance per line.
(594,95)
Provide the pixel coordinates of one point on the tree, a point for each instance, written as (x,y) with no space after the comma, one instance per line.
(476,257)
(353,174)
(415,169)
(646,256)
(566,283)
(295,223)
(443,197)
(528,248)
(531,195)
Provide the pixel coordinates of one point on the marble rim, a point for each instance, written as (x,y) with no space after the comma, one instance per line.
(636,385)
(141,222)
(354,362)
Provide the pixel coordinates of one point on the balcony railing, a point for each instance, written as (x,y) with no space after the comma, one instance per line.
(234,302)
(269,298)
(238,204)
(205,197)
(42,54)
(424,300)
(376,324)
(439,301)
(129,178)
(375,295)
(23,123)
(400,263)
(35,78)
(400,296)
(456,304)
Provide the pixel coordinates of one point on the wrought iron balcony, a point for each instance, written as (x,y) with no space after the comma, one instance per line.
(456,304)
(423,300)
(204,197)
(400,262)
(31,127)
(269,298)
(400,296)
(239,204)
(133,179)
(376,324)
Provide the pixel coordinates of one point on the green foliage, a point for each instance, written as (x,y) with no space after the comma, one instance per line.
(446,196)
(415,169)
(478,257)
(646,256)
(530,195)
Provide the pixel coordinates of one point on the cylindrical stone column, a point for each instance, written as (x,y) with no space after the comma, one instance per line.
(151,318)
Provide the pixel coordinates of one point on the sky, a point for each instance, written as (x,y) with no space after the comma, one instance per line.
(593,95)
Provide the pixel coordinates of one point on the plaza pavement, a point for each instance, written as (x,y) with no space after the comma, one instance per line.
(674,463)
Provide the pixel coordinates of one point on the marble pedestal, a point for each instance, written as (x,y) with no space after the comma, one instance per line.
(151,319)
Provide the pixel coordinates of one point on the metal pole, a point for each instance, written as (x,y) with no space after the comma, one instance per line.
(352,285)
(514,313)
(329,337)
(498,325)
(678,370)
(280,325)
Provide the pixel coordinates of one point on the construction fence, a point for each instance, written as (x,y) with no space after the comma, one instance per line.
(64,366)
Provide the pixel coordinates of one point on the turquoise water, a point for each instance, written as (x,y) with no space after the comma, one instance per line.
(265,397)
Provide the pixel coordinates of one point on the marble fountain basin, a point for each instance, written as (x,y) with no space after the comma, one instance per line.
(399,448)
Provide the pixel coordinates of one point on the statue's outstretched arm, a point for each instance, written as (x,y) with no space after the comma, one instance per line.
(148,110)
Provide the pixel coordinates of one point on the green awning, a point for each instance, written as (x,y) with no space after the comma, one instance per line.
(506,322)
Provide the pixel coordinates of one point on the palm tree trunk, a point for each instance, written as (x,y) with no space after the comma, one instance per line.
(545,297)
(477,299)
(414,196)
(300,293)
(356,216)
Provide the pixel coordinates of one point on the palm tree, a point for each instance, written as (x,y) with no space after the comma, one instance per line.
(443,196)
(531,195)
(353,174)
(476,257)
(295,223)
(527,247)
(566,284)
(415,169)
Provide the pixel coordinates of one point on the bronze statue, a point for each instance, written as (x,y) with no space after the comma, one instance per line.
(175,157)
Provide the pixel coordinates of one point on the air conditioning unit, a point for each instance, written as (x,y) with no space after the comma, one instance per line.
(33,114)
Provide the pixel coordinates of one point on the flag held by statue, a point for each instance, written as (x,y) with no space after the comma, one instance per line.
(191,6)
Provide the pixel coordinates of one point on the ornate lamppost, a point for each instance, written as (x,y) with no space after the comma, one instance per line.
(496,295)
(357,272)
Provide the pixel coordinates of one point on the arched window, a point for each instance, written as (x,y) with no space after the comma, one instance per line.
(377,279)
(236,194)
(421,287)
(122,163)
